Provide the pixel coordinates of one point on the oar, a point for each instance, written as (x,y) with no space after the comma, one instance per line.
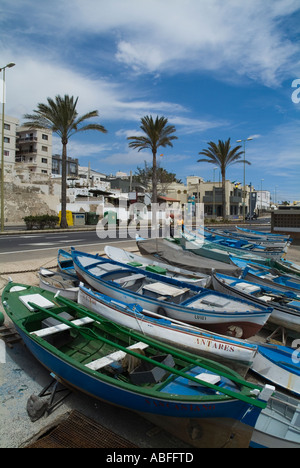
(225,391)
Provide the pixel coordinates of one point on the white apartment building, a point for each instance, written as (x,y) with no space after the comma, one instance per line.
(34,150)
(10,128)
(263,201)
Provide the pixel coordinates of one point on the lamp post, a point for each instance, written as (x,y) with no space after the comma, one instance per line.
(261,203)
(244,189)
(9,65)
(214,205)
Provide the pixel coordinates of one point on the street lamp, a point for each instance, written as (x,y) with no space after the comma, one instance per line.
(244,190)
(9,65)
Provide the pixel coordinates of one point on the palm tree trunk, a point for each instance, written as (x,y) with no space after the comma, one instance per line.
(224,194)
(63,222)
(154,196)
(154,179)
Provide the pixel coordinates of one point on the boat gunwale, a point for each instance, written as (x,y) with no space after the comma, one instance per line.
(264,310)
(243,396)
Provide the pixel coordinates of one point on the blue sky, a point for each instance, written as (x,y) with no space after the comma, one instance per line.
(217,69)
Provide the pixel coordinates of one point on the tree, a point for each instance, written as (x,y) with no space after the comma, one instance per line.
(158,133)
(164,178)
(223,155)
(60,116)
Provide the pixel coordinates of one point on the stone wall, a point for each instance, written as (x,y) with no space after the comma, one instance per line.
(21,201)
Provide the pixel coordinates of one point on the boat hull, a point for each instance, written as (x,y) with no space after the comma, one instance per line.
(281,316)
(279,374)
(232,324)
(110,393)
(191,339)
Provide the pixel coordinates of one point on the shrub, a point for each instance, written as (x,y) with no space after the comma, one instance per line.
(41,221)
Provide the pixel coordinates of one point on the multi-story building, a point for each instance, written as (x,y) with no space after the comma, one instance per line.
(34,150)
(72,166)
(10,126)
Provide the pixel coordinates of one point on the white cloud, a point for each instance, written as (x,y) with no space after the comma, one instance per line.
(233,38)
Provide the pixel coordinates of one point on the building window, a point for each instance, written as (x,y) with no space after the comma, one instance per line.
(44,160)
(7,126)
(44,172)
(44,148)
(44,137)
(6,153)
(6,140)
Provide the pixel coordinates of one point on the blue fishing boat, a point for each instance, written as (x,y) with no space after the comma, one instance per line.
(65,263)
(280,365)
(264,235)
(244,238)
(241,246)
(285,304)
(186,302)
(194,242)
(125,368)
(268,275)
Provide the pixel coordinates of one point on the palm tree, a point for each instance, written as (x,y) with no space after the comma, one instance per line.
(60,116)
(158,133)
(223,155)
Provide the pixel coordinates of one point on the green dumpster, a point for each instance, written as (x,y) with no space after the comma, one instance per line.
(111,217)
(92,218)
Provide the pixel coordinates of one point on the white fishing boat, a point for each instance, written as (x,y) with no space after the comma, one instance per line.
(132,259)
(57,282)
(278,425)
(238,353)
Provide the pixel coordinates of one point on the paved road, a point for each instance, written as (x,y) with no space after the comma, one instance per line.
(17,247)
(20,246)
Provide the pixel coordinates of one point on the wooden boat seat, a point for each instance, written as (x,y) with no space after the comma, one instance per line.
(165,289)
(247,288)
(129,278)
(60,327)
(113,357)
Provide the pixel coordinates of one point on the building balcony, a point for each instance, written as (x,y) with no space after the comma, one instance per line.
(26,139)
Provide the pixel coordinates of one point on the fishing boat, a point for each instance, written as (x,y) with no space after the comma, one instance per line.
(278,425)
(264,274)
(263,234)
(174,254)
(222,249)
(244,238)
(280,365)
(65,263)
(125,368)
(57,282)
(132,259)
(285,305)
(238,353)
(193,243)
(286,266)
(187,302)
